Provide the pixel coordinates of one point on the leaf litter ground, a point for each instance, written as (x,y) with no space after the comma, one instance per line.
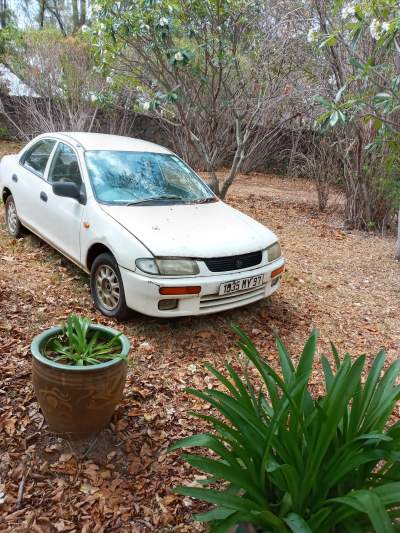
(345,284)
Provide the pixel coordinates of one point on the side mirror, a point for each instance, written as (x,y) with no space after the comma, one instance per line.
(69,189)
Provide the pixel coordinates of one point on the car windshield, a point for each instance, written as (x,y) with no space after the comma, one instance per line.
(130,178)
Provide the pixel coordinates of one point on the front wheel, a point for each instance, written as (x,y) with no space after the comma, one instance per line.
(107,288)
(14,226)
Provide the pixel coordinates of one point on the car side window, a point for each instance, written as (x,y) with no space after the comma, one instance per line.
(37,156)
(65,166)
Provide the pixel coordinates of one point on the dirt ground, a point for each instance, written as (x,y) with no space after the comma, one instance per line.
(345,284)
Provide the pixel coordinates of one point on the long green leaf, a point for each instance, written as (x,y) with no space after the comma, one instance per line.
(296,523)
(369,502)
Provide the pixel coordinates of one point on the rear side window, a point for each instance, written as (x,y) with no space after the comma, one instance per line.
(65,166)
(37,156)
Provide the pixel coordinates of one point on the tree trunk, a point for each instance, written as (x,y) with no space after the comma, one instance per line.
(56,14)
(397,248)
(236,165)
(82,18)
(197,143)
(237,159)
(75,15)
(41,13)
(3,13)
(214,183)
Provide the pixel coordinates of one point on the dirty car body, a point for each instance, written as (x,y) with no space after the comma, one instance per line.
(151,234)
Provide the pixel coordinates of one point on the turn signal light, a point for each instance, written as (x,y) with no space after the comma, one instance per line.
(278,271)
(171,291)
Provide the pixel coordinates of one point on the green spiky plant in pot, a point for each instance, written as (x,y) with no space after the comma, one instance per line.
(78,372)
(284,460)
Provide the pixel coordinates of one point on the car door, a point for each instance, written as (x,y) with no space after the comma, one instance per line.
(63,216)
(28,180)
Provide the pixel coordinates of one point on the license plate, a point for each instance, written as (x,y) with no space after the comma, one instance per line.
(241,284)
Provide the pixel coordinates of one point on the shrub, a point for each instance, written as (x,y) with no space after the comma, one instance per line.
(4,133)
(284,460)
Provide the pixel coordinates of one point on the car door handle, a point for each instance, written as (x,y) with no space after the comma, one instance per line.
(14,178)
(43,196)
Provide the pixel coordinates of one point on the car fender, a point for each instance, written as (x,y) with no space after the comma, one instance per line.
(8,166)
(99,228)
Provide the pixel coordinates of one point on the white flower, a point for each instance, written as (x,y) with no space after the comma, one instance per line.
(375,29)
(163,21)
(85,28)
(146,106)
(93,97)
(192,368)
(348,10)
(109,80)
(312,34)
(385,27)
(178,56)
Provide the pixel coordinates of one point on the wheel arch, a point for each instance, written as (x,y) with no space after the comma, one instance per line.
(95,250)
(5,193)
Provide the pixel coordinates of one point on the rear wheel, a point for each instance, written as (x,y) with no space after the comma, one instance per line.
(13,223)
(107,287)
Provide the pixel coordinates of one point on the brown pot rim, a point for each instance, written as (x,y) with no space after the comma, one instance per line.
(39,340)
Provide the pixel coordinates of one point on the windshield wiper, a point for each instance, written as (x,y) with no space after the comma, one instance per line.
(205,200)
(156,199)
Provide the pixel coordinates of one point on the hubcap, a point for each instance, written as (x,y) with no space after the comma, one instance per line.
(107,287)
(12,218)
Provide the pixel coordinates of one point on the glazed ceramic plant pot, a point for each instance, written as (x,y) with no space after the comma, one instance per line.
(77,401)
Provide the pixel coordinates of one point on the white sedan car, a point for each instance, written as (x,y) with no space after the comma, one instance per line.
(148,230)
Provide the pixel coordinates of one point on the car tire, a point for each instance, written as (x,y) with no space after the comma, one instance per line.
(107,287)
(13,223)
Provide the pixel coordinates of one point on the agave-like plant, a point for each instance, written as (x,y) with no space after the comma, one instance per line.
(284,460)
(80,345)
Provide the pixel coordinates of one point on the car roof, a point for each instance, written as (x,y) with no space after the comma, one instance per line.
(103,141)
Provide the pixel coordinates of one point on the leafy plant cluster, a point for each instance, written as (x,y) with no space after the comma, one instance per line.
(372,87)
(284,460)
(80,345)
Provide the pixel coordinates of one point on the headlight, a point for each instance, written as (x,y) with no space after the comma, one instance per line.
(168,267)
(274,252)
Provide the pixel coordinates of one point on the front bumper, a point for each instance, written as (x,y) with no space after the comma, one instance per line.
(142,293)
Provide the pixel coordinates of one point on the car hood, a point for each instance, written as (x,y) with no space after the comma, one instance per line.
(198,231)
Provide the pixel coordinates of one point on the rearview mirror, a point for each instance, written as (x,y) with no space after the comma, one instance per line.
(69,189)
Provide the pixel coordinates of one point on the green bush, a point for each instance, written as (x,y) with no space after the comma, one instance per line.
(284,460)
(4,133)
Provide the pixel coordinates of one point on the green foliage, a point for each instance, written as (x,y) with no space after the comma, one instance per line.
(287,460)
(366,34)
(52,65)
(4,133)
(201,64)
(80,345)
(10,36)
(196,39)
(375,77)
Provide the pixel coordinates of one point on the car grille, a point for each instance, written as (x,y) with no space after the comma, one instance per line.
(233,262)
